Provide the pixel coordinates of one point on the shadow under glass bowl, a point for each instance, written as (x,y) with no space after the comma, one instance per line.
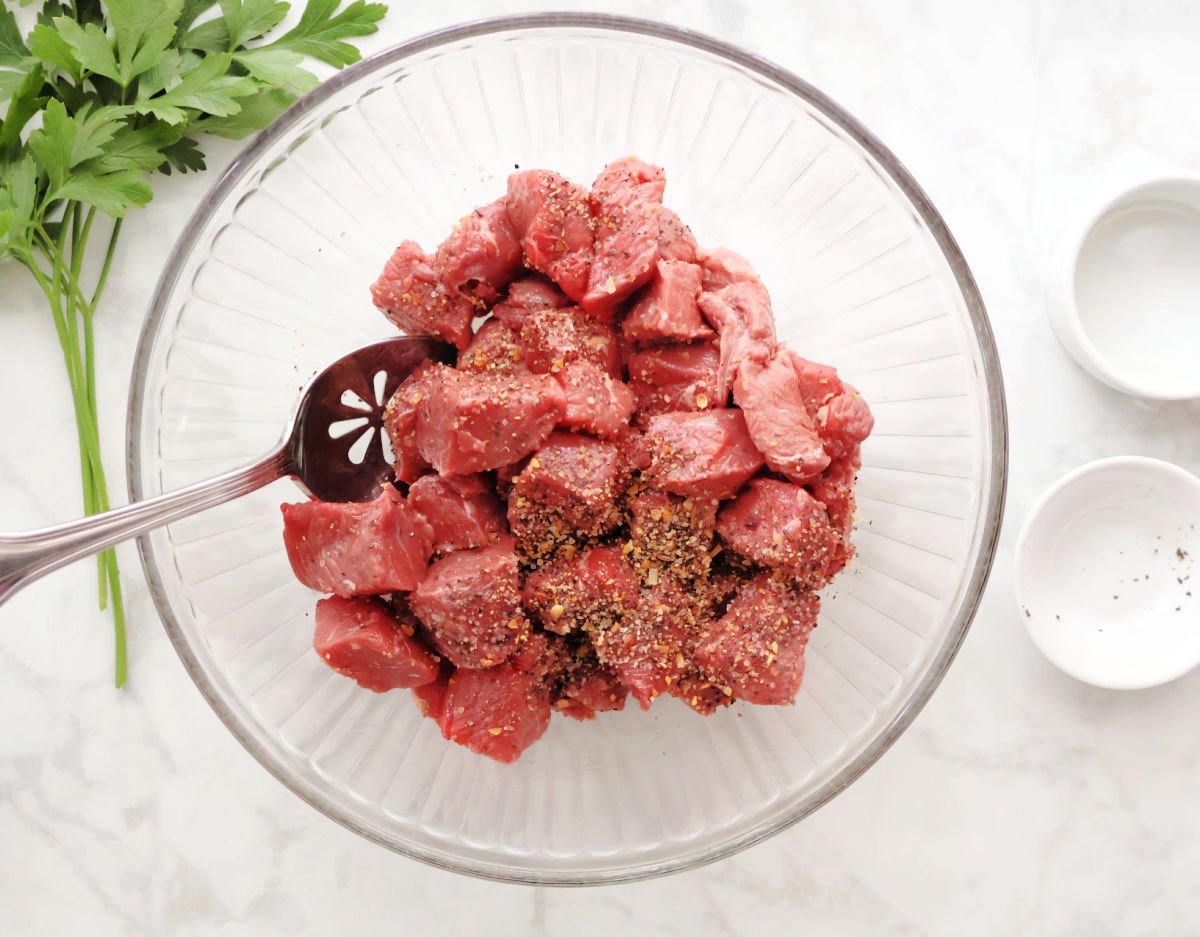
(269,283)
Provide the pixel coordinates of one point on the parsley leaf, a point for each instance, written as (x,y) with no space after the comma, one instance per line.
(191,10)
(26,101)
(319,31)
(10,81)
(51,47)
(256,113)
(143,31)
(183,156)
(12,49)
(111,192)
(54,143)
(278,67)
(207,88)
(138,148)
(91,47)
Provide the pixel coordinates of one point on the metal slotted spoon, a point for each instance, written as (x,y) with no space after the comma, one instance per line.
(320,452)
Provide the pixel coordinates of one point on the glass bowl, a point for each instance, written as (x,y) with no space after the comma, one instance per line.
(269,282)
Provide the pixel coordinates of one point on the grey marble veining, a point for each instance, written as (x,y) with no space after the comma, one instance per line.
(1019,802)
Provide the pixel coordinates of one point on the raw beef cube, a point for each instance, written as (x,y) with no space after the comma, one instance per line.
(498,712)
(778,420)
(596,403)
(757,647)
(472,422)
(670,535)
(782,526)
(722,268)
(667,310)
(463,510)
(400,422)
(481,255)
(409,293)
(525,295)
(553,218)
(819,383)
(706,454)
(626,182)
(676,377)
(835,489)
(431,697)
(360,639)
(844,422)
(648,650)
(470,604)
(570,486)
(495,347)
(357,549)
(675,241)
(741,314)
(626,198)
(553,338)
(589,590)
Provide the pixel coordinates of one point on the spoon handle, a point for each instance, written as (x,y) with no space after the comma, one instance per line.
(28,556)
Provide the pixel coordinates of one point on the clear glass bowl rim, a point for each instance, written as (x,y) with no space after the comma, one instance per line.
(996,418)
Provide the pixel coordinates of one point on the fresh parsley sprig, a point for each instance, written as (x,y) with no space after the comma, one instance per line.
(123,89)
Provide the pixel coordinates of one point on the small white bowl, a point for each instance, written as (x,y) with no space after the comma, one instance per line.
(1129,310)
(1108,573)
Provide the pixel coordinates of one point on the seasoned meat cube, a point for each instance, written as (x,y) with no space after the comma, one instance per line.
(525,295)
(553,338)
(472,422)
(569,488)
(706,454)
(495,347)
(676,377)
(589,590)
(362,640)
(667,310)
(778,420)
(470,605)
(400,422)
(481,255)
(757,647)
(670,535)
(552,216)
(581,686)
(649,649)
(596,403)
(782,526)
(675,241)
(357,549)
(462,510)
(626,200)
(409,293)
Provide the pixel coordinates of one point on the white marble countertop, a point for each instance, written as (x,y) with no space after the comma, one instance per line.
(1019,801)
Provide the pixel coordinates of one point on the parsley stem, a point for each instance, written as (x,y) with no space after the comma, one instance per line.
(81,375)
